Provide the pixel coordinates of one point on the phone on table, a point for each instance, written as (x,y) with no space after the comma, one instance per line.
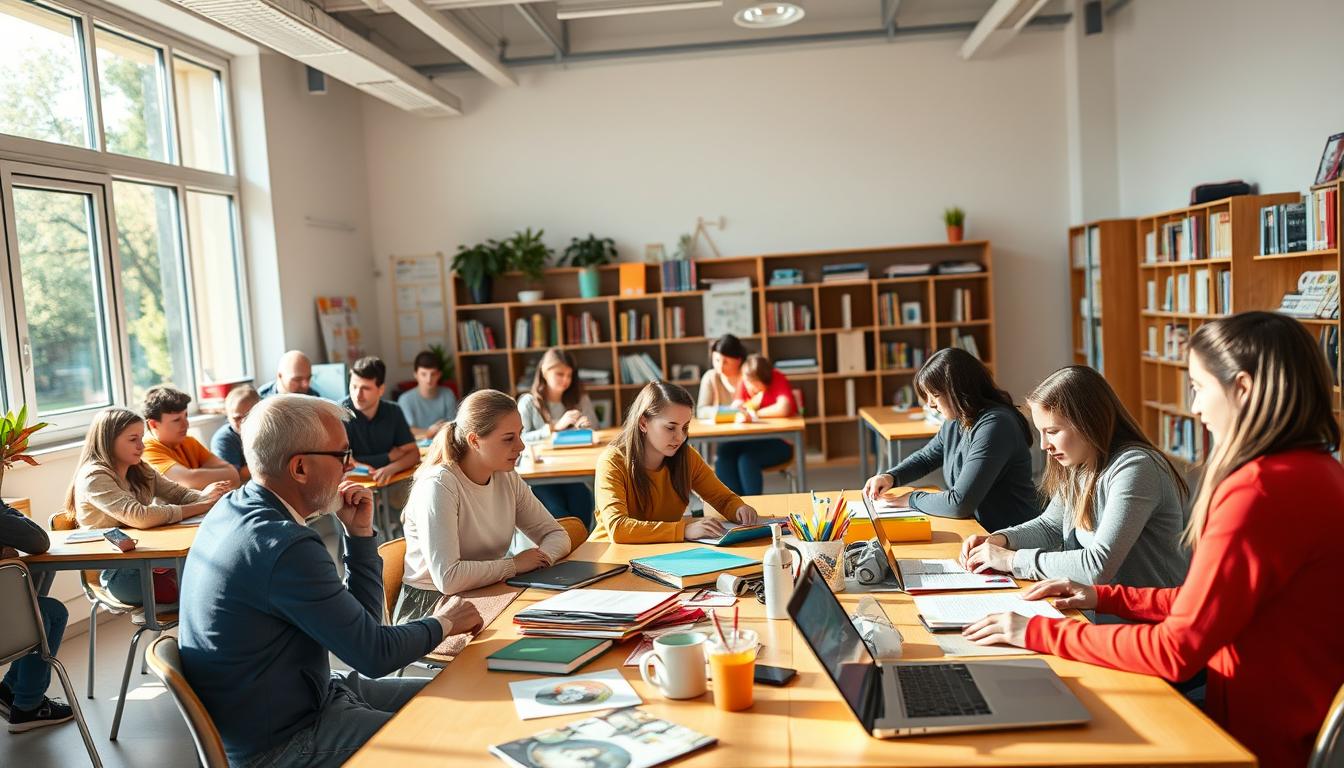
(120,540)
(769,675)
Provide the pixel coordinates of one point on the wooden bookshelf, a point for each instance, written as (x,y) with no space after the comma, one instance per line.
(832,432)
(1104,296)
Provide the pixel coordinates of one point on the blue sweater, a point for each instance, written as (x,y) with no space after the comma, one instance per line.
(261,606)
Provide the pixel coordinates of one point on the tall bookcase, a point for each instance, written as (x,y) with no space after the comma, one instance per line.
(832,429)
(1105,303)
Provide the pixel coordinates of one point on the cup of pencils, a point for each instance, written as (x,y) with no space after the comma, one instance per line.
(821,538)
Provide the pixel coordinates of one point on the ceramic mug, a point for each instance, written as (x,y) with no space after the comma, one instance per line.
(676,665)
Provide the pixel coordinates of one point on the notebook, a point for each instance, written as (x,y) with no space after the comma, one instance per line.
(630,738)
(86,534)
(736,533)
(693,567)
(546,655)
(566,575)
(956,612)
(941,575)
(572,438)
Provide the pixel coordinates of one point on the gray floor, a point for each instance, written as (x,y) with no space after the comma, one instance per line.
(152,731)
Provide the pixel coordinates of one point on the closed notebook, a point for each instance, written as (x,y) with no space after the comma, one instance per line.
(572,438)
(693,567)
(566,575)
(546,655)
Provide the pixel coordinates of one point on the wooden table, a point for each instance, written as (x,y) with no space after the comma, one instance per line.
(884,423)
(564,465)
(1137,720)
(383,519)
(704,433)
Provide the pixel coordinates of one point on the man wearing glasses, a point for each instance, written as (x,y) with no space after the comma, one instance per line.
(262,604)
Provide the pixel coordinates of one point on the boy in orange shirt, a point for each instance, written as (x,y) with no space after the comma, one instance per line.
(171,451)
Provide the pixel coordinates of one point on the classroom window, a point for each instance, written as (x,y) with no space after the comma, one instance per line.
(216,286)
(133,98)
(200,116)
(42,82)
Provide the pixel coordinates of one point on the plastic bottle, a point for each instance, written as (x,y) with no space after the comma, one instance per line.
(778,568)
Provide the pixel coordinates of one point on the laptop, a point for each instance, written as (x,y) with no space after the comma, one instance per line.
(909,698)
(567,574)
(573,438)
(329,380)
(927,575)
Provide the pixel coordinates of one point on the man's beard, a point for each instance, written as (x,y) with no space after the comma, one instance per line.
(327,503)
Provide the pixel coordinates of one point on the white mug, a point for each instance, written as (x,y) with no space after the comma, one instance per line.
(676,665)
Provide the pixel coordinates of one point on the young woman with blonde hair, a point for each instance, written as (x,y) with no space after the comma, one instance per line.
(1258,607)
(466,503)
(645,477)
(557,402)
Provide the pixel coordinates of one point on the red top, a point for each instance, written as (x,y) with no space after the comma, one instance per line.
(778,389)
(1260,607)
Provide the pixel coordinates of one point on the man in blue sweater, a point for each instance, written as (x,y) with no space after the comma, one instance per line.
(262,604)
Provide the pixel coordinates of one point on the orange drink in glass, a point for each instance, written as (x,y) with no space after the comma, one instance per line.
(732,665)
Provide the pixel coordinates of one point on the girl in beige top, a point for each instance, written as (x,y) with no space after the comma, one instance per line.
(718,387)
(113,488)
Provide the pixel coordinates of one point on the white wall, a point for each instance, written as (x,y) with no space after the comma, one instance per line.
(821,147)
(1208,90)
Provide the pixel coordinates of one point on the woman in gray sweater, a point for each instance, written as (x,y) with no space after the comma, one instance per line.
(557,402)
(1116,508)
(984,448)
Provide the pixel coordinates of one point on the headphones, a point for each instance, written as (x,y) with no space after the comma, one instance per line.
(866,561)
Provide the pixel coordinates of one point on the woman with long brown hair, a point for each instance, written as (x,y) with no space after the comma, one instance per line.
(1258,607)
(555,403)
(645,477)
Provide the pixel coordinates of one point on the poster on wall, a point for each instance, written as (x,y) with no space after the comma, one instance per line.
(338,317)
(419,295)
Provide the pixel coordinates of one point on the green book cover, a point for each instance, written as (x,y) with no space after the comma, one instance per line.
(546,650)
(692,562)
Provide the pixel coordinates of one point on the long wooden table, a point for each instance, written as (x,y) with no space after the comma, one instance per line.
(892,426)
(704,433)
(1137,720)
(564,465)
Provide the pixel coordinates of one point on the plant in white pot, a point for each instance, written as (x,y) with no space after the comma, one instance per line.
(526,253)
(588,254)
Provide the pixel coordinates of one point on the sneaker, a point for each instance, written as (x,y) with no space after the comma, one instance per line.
(6,700)
(47,713)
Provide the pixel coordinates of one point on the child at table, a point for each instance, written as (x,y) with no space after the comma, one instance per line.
(465,505)
(718,387)
(113,487)
(645,477)
(763,393)
(557,402)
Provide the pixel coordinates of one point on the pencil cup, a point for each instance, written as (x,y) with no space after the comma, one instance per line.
(732,665)
(829,557)
(676,665)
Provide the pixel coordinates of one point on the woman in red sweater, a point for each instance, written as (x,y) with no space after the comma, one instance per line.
(1260,606)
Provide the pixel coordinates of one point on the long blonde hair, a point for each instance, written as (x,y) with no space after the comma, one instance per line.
(100,449)
(480,412)
(1084,399)
(570,397)
(653,400)
(1287,408)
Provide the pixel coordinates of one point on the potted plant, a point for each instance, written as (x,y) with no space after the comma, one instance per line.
(526,253)
(955,219)
(14,434)
(588,254)
(478,266)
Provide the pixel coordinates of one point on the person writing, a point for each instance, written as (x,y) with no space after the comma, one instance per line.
(718,387)
(763,393)
(175,454)
(557,402)
(428,406)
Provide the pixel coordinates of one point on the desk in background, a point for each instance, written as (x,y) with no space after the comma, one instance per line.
(705,433)
(893,427)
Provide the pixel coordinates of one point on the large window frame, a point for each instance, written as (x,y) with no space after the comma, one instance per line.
(33,162)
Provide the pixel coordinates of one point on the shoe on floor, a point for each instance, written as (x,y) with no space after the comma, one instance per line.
(6,700)
(47,713)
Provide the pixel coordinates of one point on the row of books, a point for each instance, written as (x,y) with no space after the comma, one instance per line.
(1202,292)
(787,276)
(639,369)
(583,329)
(1307,225)
(1317,295)
(900,354)
(678,275)
(788,317)
(674,322)
(533,333)
(1183,437)
(961,305)
(892,311)
(844,273)
(965,341)
(633,326)
(1183,240)
(480,376)
(1220,235)
(1175,336)
(475,336)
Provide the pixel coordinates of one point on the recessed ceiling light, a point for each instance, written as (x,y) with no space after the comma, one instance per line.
(768,15)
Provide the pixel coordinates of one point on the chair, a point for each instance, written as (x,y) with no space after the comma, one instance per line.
(393,554)
(1329,750)
(578,532)
(785,468)
(21,633)
(99,596)
(167,666)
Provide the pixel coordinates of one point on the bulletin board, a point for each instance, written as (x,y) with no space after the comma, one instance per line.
(338,317)
(419,296)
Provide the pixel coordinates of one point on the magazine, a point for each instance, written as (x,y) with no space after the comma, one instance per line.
(625,738)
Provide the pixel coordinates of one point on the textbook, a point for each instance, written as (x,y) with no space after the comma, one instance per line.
(693,567)
(956,612)
(547,656)
(566,574)
(572,438)
(629,738)
(595,613)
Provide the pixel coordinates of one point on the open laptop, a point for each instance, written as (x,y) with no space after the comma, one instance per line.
(908,698)
(330,382)
(927,575)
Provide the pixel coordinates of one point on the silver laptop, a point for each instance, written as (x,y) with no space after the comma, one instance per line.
(908,698)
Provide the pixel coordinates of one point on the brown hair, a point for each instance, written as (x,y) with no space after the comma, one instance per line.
(98,449)
(164,399)
(1085,400)
(1287,408)
(480,412)
(652,401)
(960,377)
(570,397)
(370,368)
(759,369)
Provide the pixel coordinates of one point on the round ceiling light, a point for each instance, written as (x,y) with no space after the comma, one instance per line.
(768,15)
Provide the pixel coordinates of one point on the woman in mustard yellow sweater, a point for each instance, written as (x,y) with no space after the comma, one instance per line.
(645,477)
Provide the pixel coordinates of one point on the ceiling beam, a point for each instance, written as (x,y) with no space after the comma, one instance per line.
(1001,23)
(539,26)
(455,38)
(889,10)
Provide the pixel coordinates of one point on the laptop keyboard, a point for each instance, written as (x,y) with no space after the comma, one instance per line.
(939,690)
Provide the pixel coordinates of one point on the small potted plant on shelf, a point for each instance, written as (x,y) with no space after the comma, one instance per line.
(955,219)
(478,266)
(526,253)
(588,254)
(14,434)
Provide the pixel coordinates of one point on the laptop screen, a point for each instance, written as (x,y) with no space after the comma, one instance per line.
(836,644)
(329,381)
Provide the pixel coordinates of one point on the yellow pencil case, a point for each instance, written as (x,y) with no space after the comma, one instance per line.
(896,528)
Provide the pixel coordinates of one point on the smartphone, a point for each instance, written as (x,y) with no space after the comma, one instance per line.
(120,540)
(769,675)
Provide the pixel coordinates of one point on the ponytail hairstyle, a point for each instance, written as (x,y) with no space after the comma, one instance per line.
(478,413)
(652,401)
(1084,399)
(99,449)
(960,377)
(1287,408)
(570,397)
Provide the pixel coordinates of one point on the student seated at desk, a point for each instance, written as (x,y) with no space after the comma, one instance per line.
(465,505)
(984,448)
(557,401)
(645,477)
(227,442)
(762,393)
(1116,503)
(175,454)
(428,406)
(379,435)
(718,387)
(1260,607)
(114,488)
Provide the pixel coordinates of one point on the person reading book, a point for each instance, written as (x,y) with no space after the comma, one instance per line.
(762,393)
(175,454)
(1257,608)
(645,477)
(428,406)
(983,447)
(718,387)
(557,402)
(465,504)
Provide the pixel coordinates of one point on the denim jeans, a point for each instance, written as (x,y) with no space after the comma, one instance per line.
(29,677)
(567,500)
(740,462)
(355,708)
(124,584)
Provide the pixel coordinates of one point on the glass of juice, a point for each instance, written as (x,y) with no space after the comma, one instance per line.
(732,665)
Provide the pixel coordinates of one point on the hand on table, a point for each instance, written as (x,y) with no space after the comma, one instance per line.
(1070,594)
(989,556)
(877,485)
(384,474)
(747,515)
(999,629)
(530,560)
(704,528)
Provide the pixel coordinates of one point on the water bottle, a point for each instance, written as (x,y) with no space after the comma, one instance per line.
(778,562)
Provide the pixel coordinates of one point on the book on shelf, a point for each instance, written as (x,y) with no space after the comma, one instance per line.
(480,376)
(912,313)
(583,329)
(1152,341)
(787,317)
(1169,295)
(1201,278)
(907,270)
(1152,296)
(1183,292)
(475,336)
(1175,336)
(632,279)
(634,326)
(787,276)
(1223,287)
(1317,295)
(1150,247)
(1322,218)
(1182,437)
(851,398)
(674,322)
(1306,225)
(726,283)
(844,273)
(594,377)
(678,275)
(849,352)
(534,332)
(639,369)
(796,365)
(965,341)
(1220,235)
(959,268)
(901,355)
(961,305)
(685,372)
(630,738)
(846,311)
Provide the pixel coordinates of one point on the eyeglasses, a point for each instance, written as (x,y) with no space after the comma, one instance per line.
(344,456)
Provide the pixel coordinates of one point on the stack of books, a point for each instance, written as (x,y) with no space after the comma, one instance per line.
(596,613)
(594,377)
(1182,437)
(693,567)
(678,275)
(583,329)
(844,273)
(475,336)
(796,365)
(787,317)
(639,369)
(786,277)
(907,270)
(960,268)
(1317,295)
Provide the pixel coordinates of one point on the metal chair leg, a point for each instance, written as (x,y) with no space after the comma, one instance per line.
(79,714)
(93,640)
(125,681)
(144,657)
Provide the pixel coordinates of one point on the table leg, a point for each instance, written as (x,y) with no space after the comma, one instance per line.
(798,459)
(863,450)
